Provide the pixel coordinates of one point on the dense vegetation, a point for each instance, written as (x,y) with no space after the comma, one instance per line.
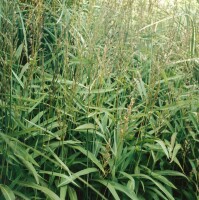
(99,100)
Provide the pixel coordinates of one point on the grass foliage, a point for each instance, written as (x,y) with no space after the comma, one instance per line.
(99,100)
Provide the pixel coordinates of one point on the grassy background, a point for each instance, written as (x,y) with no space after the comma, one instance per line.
(99,100)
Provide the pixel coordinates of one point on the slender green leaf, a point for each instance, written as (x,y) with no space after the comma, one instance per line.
(162,144)
(175,151)
(72,194)
(111,188)
(71,178)
(90,156)
(43,189)
(7,192)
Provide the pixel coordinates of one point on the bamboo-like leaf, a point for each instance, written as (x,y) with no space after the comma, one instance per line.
(62,164)
(130,178)
(18,79)
(55,145)
(141,87)
(178,163)
(193,117)
(20,152)
(24,68)
(72,194)
(170,173)
(90,156)
(86,127)
(31,169)
(159,193)
(43,189)
(153,195)
(7,192)
(43,129)
(36,118)
(163,179)
(38,101)
(22,196)
(71,178)
(175,151)
(159,185)
(61,175)
(131,194)
(96,91)
(194,168)
(19,51)
(111,189)
(173,139)
(161,143)
(63,192)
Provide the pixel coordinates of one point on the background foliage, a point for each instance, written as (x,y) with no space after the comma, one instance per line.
(99,99)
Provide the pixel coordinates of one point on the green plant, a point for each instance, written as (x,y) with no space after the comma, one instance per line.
(98,100)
